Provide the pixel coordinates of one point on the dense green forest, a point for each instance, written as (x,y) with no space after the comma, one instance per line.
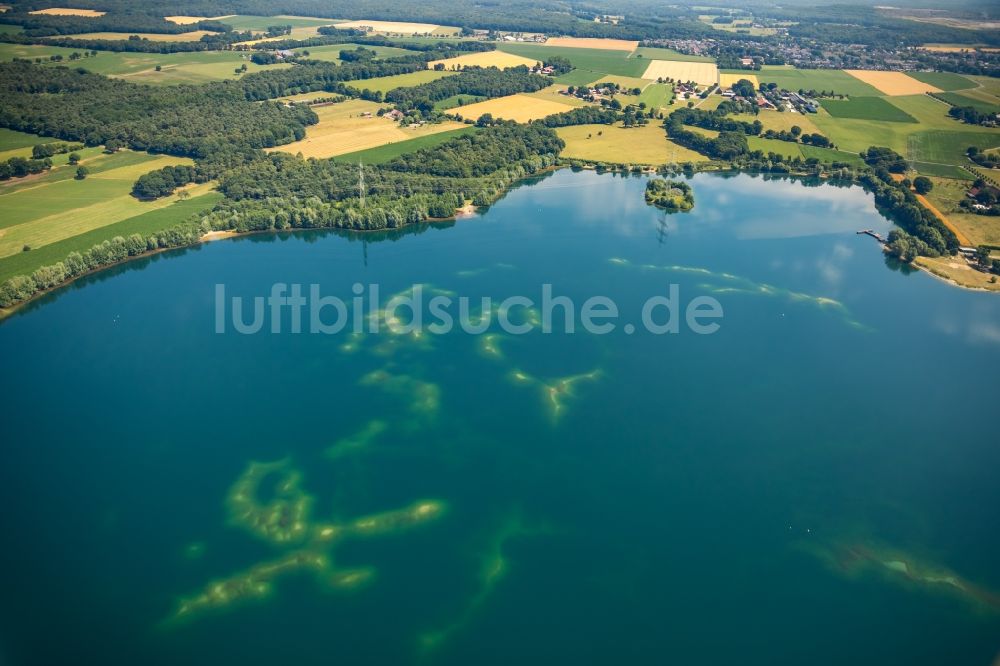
(190,121)
(489,82)
(279,191)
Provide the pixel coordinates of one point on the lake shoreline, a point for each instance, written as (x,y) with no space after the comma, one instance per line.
(465,212)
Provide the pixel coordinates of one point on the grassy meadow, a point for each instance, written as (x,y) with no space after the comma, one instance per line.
(381,154)
(838,81)
(599,61)
(176,68)
(54,213)
(386,83)
(54,206)
(867,108)
(332,53)
(944,80)
(614,144)
(344,128)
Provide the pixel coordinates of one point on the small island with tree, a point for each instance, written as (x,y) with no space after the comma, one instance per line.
(671,195)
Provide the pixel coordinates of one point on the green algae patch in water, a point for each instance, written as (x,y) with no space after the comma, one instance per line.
(493,569)
(897,567)
(283,521)
(723,284)
(359,441)
(554,392)
(423,398)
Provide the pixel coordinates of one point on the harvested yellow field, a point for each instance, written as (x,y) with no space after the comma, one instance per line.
(497,59)
(593,43)
(62,11)
(615,144)
(188,20)
(344,128)
(185,20)
(519,108)
(892,83)
(702,73)
(193,36)
(394,27)
(957,48)
(727,80)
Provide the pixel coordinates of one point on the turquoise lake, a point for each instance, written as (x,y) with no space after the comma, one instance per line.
(814,483)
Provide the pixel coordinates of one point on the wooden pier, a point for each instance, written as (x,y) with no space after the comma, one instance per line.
(874,234)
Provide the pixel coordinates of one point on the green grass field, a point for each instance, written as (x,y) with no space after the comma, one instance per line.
(176,68)
(828,155)
(867,108)
(836,80)
(593,60)
(54,206)
(387,83)
(942,171)
(578,77)
(24,263)
(943,80)
(332,53)
(11,140)
(385,153)
(6,29)
(657,95)
(853,135)
(653,53)
(615,144)
(246,22)
(946,147)
(981,229)
(959,99)
(457,100)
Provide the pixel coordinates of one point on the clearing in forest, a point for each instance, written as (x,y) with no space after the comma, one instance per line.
(352,126)
(498,59)
(63,11)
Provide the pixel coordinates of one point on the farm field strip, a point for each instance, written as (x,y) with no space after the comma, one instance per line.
(344,128)
(835,80)
(702,73)
(614,144)
(498,59)
(598,61)
(520,108)
(867,108)
(193,36)
(593,43)
(64,11)
(393,27)
(726,79)
(892,83)
(386,83)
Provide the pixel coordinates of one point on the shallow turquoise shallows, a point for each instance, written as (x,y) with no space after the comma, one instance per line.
(814,483)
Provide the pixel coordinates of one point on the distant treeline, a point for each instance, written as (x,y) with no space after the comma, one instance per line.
(128,21)
(646,18)
(190,121)
(132,44)
(321,194)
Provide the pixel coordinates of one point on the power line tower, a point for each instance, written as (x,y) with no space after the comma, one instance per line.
(361,182)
